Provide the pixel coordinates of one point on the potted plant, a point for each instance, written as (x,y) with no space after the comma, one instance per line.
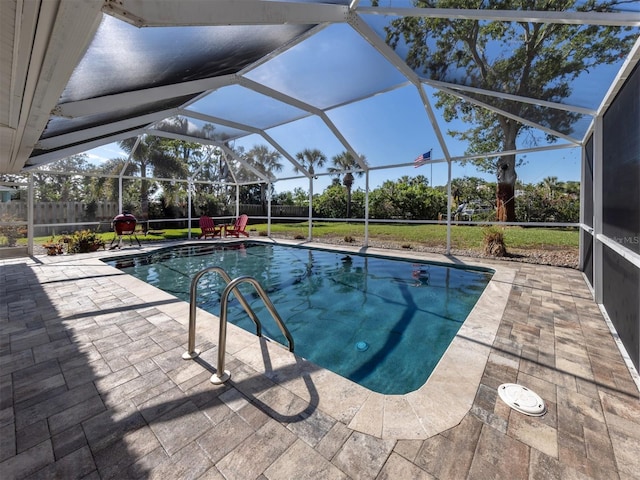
(53,247)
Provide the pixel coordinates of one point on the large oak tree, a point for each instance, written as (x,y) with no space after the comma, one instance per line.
(535,60)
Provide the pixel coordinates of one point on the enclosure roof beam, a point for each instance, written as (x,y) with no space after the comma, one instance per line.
(392,57)
(245,164)
(129,157)
(283,48)
(463,158)
(217,143)
(522,120)
(260,88)
(159,13)
(104,131)
(36,161)
(626,19)
(249,128)
(507,96)
(625,72)
(115,102)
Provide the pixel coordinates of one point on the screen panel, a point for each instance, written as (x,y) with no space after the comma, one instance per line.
(621,166)
(621,284)
(587,182)
(587,255)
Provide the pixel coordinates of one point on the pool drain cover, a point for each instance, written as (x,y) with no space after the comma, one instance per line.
(522,399)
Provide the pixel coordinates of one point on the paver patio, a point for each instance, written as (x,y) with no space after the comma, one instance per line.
(93,385)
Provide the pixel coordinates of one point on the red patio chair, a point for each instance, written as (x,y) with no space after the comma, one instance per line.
(208,228)
(238,228)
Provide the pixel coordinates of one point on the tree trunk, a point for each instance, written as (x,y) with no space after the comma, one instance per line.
(348,182)
(505,191)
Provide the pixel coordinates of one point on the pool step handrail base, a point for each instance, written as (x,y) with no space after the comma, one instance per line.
(191,355)
(216,380)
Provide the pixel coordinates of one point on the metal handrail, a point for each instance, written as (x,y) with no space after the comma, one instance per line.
(221,375)
(191,350)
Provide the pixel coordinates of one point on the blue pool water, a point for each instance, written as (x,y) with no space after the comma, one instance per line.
(381,322)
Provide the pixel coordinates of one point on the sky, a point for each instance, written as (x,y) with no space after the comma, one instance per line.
(390,128)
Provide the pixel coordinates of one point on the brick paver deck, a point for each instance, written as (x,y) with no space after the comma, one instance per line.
(92,385)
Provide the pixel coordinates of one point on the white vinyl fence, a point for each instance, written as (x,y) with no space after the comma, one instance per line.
(47,213)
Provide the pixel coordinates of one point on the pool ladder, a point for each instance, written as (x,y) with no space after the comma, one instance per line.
(221,374)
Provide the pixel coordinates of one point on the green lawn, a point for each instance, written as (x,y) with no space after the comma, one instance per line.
(462,237)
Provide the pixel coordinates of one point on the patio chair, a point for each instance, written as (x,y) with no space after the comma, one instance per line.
(238,228)
(208,228)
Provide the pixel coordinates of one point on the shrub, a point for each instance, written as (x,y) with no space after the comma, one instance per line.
(494,242)
(11,232)
(53,246)
(84,241)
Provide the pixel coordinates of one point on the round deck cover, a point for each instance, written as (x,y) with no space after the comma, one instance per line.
(522,399)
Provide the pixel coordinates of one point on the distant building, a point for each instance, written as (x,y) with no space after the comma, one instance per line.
(6,193)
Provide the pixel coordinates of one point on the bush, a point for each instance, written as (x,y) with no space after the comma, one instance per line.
(534,207)
(494,242)
(11,232)
(407,198)
(85,241)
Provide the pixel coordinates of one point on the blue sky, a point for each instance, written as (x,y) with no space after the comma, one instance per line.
(388,129)
(391,128)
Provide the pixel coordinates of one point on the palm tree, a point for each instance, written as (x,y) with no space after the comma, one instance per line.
(345,163)
(267,162)
(309,159)
(150,154)
(551,185)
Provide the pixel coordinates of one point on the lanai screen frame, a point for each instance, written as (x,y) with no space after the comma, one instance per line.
(84,18)
(54,147)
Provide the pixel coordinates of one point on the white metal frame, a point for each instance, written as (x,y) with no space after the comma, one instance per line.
(51,38)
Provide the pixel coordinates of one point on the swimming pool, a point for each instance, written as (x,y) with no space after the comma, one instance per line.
(379,321)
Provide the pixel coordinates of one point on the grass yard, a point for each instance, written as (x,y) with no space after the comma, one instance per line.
(467,237)
(463,237)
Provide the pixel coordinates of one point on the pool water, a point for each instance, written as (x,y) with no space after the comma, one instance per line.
(381,322)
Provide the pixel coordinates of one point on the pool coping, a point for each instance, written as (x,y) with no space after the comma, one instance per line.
(448,394)
(440,404)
